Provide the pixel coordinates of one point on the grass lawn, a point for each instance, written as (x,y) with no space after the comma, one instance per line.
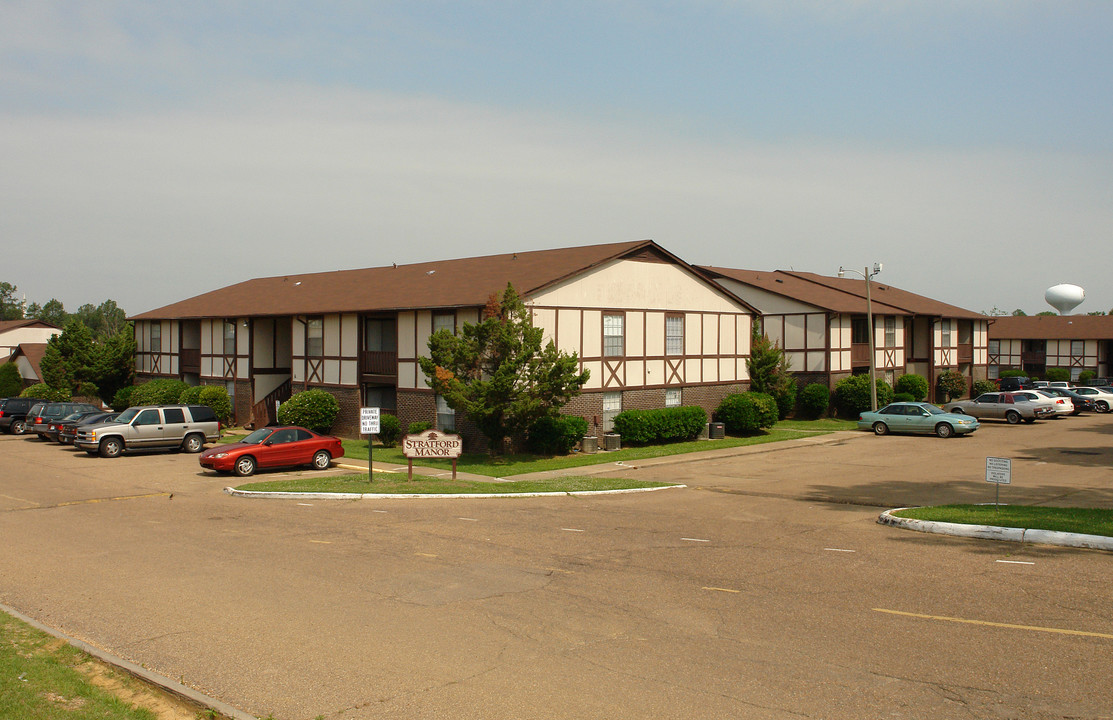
(397,483)
(44,678)
(483,464)
(1089,521)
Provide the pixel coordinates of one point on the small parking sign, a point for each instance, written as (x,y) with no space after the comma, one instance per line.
(369,421)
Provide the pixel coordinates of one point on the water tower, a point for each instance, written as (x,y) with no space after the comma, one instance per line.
(1064,298)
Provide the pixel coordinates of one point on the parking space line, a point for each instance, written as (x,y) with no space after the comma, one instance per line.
(94,501)
(839,550)
(1016,562)
(719,589)
(986,623)
(571,530)
(322,542)
(695,539)
(468,519)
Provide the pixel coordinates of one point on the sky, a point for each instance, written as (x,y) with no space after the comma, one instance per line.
(153,151)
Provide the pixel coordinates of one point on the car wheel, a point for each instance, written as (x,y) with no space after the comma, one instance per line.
(193,443)
(880,428)
(321,460)
(18,427)
(1102,406)
(1012,417)
(111,447)
(944,430)
(957,411)
(245,466)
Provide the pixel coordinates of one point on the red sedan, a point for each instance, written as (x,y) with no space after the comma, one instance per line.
(273,447)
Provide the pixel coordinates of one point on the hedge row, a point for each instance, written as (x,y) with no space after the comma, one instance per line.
(643,427)
(747,413)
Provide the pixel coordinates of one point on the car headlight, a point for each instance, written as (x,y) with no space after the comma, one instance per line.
(219,455)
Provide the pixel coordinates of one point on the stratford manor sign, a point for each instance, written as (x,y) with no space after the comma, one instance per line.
(432,444)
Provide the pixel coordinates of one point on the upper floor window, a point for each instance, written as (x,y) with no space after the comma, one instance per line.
(315,337)
(380,335)
(229,337)
(1077,348)
(994,347)
(614,339)
(945,333)
(156,336)
(890,331)
(444,321)
(674,335)
(859,330)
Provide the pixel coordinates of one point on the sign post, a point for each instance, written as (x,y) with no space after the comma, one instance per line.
(998,471)
(432,444)
(369,425)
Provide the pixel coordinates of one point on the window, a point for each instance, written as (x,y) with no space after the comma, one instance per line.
(945,333)
(229,337)
(674,335)
(174,415)
(446,416)
(859,331)
(156,336)
(614,342)
(994,347)
(315,337)
(380,335)
(1077,348)
(147,417)
(444,321)
(380,396)
(672,398)
(612,405)
(890,331)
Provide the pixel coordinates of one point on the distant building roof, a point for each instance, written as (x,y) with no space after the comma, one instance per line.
(842,295)
(34,353)
(8,325)
(466,282)
(1052,327)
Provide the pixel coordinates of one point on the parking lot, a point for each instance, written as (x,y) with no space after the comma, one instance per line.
(765,589)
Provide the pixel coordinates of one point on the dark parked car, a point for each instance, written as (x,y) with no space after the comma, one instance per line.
(54,427)
(68,431)
(13,414)
(1081,402)
(42,414)
(1015,383)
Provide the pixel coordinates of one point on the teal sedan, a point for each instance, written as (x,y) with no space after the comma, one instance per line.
(911,417)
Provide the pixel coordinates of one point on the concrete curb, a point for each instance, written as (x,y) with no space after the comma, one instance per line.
(420,496)
(166,684)
(991,532)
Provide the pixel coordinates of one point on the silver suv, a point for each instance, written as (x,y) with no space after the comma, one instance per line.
(181,427)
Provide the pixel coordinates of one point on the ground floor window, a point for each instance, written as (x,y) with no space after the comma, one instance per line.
(446,416)
(993,372)
(612,405)
(383,397)
(673,398)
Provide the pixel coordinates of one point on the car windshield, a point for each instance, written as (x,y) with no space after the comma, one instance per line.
(933,410)
(257,437)
(128,415)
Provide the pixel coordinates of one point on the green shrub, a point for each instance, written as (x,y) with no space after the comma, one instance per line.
(852,395)
(785,397)
(416,428)
(164,391)
(1058,374)
(42,391)
(216,397)
(314,409)
(747,413)
(642,427)
(1086,376)
(191,395)
(904,397)
(952,384)
(912,384)
(815,398)
(390,429)
(11,382)
(122,399)
(1013,373)
(984,386)
(555,435)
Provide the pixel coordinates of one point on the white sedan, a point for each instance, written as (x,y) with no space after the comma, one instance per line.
(1043,399)
(1061,405)
(1102,400)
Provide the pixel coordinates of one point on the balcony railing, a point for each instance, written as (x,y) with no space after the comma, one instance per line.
(860,353)
(190,360)
(1033,358)
(966,352)
(379,362)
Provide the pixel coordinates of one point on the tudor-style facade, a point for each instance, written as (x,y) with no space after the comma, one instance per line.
(1037,343)
(651,330)
(822,325)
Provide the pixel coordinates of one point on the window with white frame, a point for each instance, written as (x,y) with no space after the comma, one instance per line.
(444,321)
(156,336)
(674,335)
(1077,348)
(673,397)
(945,333)
(229,337)
(614,339)
(612,405)
(994,347)
(890,331)
(446,416)
(315,337)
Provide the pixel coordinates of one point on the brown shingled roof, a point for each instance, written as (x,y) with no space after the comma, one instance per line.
(1052,327)
(842,295)
(6,325)
(34,353)
(466,282)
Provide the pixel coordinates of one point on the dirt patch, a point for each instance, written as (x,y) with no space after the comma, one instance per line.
(132,690)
